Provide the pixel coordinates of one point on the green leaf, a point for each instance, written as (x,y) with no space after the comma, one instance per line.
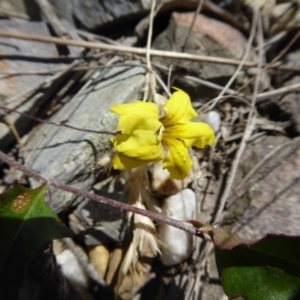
(27,226)
(262,270)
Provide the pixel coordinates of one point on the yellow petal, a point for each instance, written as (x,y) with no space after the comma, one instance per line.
(137,115)
(128,124)
(196,134)
(139,148)
(136,109)
(178,109)
(177,161)
(121,162)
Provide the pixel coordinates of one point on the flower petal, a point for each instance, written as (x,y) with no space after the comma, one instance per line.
(196,134)
(178,109)
(122,162)
(137,115)
(137,108)
(177,161)
(128,124)
(139,148)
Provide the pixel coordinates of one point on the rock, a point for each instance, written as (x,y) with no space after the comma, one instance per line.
(70,156)
(20,55)
(268,202)
(93,14)
(74,272)
(209,37)
(22,7)
(213,119)
(289,103)
(177,244)
(99,223)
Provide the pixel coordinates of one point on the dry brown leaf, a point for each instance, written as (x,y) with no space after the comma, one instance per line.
(113,265)
(99,258)
(137,262)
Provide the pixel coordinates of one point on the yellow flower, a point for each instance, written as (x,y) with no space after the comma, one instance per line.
(145,138)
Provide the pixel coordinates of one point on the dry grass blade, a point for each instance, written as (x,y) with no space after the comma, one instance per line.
(150,83)
(200,4)
(141,51)
(124,49)
(249,127)
(143,247)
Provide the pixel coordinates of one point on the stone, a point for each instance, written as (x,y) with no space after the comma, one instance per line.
(177,245)
(70,156)
(21,55)
(99,223)
(208,37)
(93,14)
(268,202)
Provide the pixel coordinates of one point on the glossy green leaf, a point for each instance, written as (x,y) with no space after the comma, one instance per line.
(27,226)
(264,270)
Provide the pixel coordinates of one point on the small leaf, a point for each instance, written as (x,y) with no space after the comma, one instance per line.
(27,226)
(262,270)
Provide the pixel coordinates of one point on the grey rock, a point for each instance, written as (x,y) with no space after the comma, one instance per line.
(289,103)
(23,7)
(94,13)
(209,37)
(20,55)
(99,223)
(90,14)
(63,9)
(69,156)
(268,201)
(201,43)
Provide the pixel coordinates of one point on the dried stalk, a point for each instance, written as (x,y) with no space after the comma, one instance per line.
(142,51)
(120,205)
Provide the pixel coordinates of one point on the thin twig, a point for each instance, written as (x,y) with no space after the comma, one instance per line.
(61,124)
(120,205)
(255,169)
(213,86)
(162,84)
(10,161)
(270,94)
(286,48)
(149,38)
(98,37)
(246,54)
(124,49)
(169,76)
(200,4)
(212,103)
(149,79)
(141,51)
(249,126)
(264,167)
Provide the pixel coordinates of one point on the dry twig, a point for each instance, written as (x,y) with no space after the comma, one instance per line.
(142,51)
(120,205)
(249,127)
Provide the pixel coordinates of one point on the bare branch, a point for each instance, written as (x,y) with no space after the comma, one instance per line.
(120,205)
